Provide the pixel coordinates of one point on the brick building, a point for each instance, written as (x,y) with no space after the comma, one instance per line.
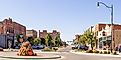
(31,33)
(103,35)
(44,33)
(11,29)
(8,26)
(54,34)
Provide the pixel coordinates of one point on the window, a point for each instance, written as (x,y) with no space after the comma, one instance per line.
(103,33)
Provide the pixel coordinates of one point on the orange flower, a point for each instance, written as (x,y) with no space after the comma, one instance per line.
(30,53)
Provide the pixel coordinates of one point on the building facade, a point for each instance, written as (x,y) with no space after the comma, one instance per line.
(31,33)
(76,40)
(103,35)
(11,29)
(53,34)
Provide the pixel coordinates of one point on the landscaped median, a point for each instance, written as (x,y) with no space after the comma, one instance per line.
(97,53)
(46,49)
(12,55)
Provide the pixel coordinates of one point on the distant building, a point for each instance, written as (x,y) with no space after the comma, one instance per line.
(103,35)
(43,34)
(31,33)
(10,28)
(76,40)
(54,34)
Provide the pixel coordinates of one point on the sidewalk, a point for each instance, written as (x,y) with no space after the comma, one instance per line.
(94,54)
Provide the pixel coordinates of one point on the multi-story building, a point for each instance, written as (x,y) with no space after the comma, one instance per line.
(43,34)
(31,33)
(53,34)
(103,35)
(11,29)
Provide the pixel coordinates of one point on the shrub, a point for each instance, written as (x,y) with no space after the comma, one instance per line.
(105,52)
(115,53)
(55,49)
(47,49)
(89,51)
(95,51)
(109,52)
(101,52)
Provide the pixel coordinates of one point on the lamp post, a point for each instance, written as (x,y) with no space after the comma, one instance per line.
(110,7)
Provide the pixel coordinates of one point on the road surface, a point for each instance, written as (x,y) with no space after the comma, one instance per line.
(71,56)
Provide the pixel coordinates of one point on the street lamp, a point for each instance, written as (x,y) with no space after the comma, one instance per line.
(111,7)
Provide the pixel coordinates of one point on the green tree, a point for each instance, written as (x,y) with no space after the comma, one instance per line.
(18,37)
(48,39)
(82,40)
(36,41)
(30,39)
(56,40)
(87,38)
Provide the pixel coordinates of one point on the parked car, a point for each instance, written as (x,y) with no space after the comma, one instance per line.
(1,49)
(74,47)
(17,47)
(38,47)
(83,47)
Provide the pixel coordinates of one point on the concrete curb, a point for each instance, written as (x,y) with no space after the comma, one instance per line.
(30,57)
(12,55)
(93,54)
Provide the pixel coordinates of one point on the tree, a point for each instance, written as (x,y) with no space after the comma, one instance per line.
(48,39)
(87,38)
(42,41)
(18,37)
(36,41)
(30,39)
(58,40)
(82,40)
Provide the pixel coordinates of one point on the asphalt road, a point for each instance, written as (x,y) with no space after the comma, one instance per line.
(67,55)
(71,56)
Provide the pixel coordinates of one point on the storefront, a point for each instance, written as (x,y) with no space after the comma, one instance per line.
(105,42)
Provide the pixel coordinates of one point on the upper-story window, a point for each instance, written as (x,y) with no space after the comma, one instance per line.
(103,33)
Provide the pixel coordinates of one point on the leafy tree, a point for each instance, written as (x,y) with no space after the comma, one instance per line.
(42,41)
(56,40)
(30,39)
(48,39)
(36,41)
(18,37)
(87,38)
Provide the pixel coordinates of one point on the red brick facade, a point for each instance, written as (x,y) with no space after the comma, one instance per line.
(44,33)
(116,33)
(14,28)
(31,33)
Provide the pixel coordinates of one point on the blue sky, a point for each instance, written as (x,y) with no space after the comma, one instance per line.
(70,17)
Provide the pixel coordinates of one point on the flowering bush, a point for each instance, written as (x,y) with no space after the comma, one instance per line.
(26,50)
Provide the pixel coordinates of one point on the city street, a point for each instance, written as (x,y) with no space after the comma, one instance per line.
(71,56)
(66,54)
